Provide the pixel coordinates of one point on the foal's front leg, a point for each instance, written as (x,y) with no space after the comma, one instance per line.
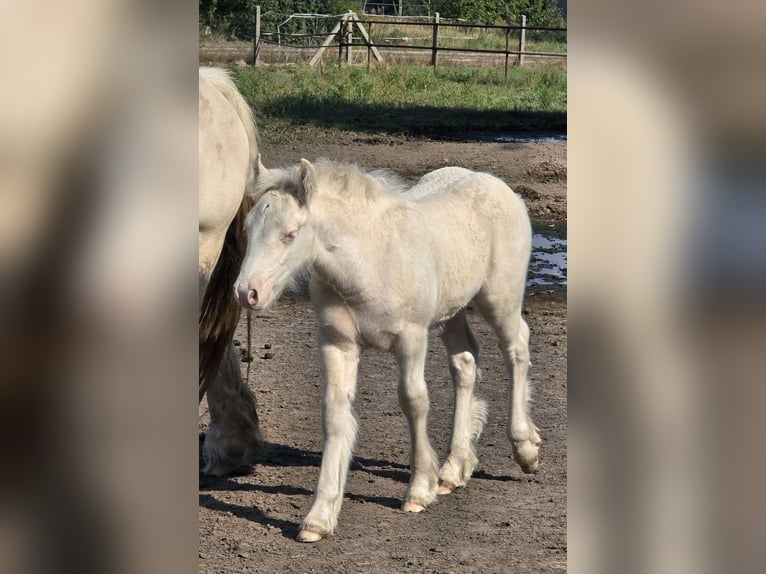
(413,398)
(340,361)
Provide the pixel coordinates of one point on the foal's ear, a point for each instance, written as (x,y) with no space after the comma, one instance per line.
(308,181)
(261,168)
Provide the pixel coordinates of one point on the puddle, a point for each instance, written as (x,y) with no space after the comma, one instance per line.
(548,265)
(526,138)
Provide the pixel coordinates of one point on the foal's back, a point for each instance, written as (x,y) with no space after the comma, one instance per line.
(475,227)
(472,193)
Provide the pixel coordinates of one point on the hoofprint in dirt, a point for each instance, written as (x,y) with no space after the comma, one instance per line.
(503,521)
(536,171)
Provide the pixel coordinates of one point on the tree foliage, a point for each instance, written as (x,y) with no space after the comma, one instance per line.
(235,18)
(538,12)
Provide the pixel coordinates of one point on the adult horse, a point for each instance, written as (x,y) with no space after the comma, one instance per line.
(388,265)
(227,153)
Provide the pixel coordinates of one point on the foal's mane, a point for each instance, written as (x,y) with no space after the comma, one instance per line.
(342,180)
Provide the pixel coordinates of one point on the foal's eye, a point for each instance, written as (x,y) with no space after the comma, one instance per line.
(288,237)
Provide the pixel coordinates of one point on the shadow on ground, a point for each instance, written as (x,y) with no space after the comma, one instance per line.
(431,121)
(278,455)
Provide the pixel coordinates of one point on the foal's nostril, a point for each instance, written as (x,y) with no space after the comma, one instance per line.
(252,296)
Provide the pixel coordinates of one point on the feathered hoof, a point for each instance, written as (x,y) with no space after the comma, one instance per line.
(530,468)
(308,536)
(412,506)
(226,468)
(226,455)
(525,454)
(446,487)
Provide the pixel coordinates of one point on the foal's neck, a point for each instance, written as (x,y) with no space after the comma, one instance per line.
(349,243)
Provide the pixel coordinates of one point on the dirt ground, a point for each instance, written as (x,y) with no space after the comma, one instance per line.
(503,521)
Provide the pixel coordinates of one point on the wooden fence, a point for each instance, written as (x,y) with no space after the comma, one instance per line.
(343,38)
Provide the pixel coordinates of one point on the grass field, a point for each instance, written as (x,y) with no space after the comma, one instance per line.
(406,99)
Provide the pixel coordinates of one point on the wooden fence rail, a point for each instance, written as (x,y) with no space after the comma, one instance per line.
(343,34)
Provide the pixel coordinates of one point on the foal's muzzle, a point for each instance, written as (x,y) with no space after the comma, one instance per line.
(251,297)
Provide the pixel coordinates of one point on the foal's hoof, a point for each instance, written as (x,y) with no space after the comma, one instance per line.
(308,536)
(410,506)
(525,454)
(446,487)
(530,468)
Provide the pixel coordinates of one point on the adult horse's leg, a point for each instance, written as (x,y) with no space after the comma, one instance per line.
(339,361)
(513,334)
(470,413)
(413,398)
(233,437)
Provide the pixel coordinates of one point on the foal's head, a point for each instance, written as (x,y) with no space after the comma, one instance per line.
(280,238)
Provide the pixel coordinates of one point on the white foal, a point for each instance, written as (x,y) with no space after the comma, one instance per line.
(388,264)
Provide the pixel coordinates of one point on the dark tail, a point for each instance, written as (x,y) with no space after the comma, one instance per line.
(220,312)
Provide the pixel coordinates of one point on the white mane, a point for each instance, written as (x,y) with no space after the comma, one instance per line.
(343,180)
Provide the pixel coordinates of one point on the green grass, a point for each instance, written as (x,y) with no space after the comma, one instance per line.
(406,99)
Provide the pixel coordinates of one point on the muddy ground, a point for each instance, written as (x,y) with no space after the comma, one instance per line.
(503,521)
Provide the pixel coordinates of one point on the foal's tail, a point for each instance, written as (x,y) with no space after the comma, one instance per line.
(479,407)
(479,411)
(220,312)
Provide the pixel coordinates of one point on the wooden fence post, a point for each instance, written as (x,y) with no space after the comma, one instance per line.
(522,39)
(507,46)
(369,47)
(327,41)
(435,50)
(257,37)
(367,37)
(349,39)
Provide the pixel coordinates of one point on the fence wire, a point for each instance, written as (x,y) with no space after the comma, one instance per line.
(310,31)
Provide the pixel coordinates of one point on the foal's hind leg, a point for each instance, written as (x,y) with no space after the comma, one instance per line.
(233,437)
(513,335)
(413,398)
(470,413)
